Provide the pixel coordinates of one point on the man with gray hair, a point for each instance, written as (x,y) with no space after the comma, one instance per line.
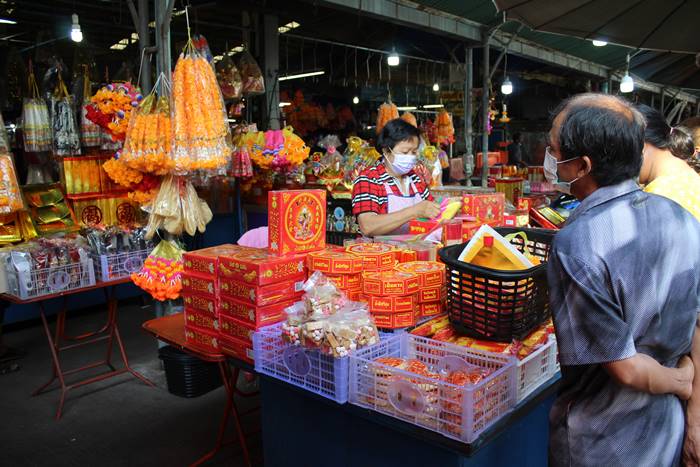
(624,291)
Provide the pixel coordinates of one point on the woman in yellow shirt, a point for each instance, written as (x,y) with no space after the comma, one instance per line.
(665,171)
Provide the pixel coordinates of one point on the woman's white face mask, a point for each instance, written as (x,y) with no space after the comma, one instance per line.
(403,163)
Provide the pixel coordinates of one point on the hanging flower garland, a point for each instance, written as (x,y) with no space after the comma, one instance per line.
(161,273)
(111,108)
(277,150)
(387,112)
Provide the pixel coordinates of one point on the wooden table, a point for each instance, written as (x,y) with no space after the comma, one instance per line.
(171,330)
(60,341)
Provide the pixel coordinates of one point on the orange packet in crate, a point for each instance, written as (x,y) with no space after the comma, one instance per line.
(257,267)
(296,221)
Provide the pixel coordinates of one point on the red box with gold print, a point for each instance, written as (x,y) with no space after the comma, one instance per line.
(296,221)
(257,266)
(375,256)
(391,304)
(199,285)
(384,283)
(334,262)
(236,348)
(203,338)
(487,208)
(201,319)
(421,226)
(346,281)
(233,328)
(469,229)
(431,273)
(204,262)
(430,309)
(258,316)
(433,294)
(395,320)
(261,296)
(203,303)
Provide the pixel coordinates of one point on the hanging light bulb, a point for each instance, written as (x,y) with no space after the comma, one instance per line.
(76,34)
(436,87)
(507,86)
(355,100)
(627,83)
(598,43)
(393,58)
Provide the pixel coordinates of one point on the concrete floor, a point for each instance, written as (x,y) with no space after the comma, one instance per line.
(118,422)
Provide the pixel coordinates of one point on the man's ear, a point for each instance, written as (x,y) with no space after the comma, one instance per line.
(585,167)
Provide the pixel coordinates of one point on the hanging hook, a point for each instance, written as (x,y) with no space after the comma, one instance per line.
(369,56)
(330,64)
(355,77)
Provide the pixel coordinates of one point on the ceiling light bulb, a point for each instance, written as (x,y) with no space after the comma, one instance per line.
(393,59)
(355,100)
(76,34)
(627,83)
(436,87)
(7,21)
(507,86)
(598,43)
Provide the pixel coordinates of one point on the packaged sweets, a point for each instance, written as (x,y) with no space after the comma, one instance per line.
(229,78)
(251,76)
(206,261)
(390,283)
(335,263)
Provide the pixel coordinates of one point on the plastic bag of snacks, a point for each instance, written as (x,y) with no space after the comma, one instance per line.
(177,208)
(148,139)
(252,77)
(199,118)
(36,126)
(229,78)
(161,272)
(66,137)
(90,132)
(348,331)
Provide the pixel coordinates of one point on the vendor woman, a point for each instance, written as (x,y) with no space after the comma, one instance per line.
(386,196)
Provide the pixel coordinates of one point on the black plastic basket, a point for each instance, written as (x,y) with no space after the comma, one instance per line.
(188,376)
(499,305)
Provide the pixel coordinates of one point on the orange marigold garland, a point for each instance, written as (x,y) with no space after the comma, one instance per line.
(111,108)
(161,273)
(445,129)
(277,150)
(148,140)
(120,173)
(387,111)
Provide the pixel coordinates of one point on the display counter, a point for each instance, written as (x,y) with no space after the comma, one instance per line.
(304,429)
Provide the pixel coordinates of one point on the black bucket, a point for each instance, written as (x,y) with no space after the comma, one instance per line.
(188,376)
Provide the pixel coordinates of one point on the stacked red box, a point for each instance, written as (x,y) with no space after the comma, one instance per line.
(486,208)
(433,293)
(392,297)
(344,269)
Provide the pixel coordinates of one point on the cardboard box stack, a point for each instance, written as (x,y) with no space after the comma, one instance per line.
(392,297)
(344,269)
(432,293)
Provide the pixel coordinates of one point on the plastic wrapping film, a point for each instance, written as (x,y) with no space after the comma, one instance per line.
(149,137)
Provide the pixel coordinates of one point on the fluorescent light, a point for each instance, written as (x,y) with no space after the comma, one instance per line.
(285,104)
(288,27)
(507,86)
(393,59)
(598,43)
(7,21)
(76,34)
(407,107)
(436,87)
(302,75)
(134,37)
(627,83)
(355,100)
(433,106)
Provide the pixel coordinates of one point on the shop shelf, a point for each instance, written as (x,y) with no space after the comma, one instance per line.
(459,412)
(537,368)
(40,282)
(119,265)
(306,368)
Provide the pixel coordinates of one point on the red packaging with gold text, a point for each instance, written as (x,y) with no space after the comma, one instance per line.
(205,261)
(395,320)
(430,309)
(334,262)
(201,320)
(436,293)
(354,295)
(391,304)
(262,296)
(346,281)
(198,285)
(431,273)
(237,348)
(469,229)
(296,221)
(406,256)
(390,283)
(257,316)
(233,328)
(375,256)
(487,208)
(257,266)
(421,226)
(205,304)
(205,339)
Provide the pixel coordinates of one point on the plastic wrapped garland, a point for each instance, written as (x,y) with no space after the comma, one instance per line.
(200,129)
(229,79)
(278,150)
(242,165)
(148,139)
(161,272)
(36,125)
(445,129)
(177,208)
(111,108)
(251,76)
(387,112)
(10,196)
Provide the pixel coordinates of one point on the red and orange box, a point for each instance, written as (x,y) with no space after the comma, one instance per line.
(201,320)
(334,262)
(430,309)
(236,348)
(355,295)
(430,273)
(391,304)
(421,226)
(296,221)
(375,256)
(469,229)
(202,303)
(395,320)
(203,338)
(199,285)
(233,328)
(257,266)
(204,262)
(262,296)
(487,208)
(393,282)
(346,281)
(257,316)
(437,293)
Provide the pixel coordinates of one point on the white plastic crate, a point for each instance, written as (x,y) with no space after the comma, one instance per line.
(309,369)
(116,266)
(40,282)
(537,368)
(459,412)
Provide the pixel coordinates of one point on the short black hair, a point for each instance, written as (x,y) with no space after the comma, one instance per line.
(678,140)
(608,130)
(394,132)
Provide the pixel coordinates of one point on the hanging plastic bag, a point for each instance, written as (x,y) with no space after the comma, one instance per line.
(90,132)
(36,126)
(229,78)
(241,166)
(177,209)
(66,139)
(10,196)
(252,77)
